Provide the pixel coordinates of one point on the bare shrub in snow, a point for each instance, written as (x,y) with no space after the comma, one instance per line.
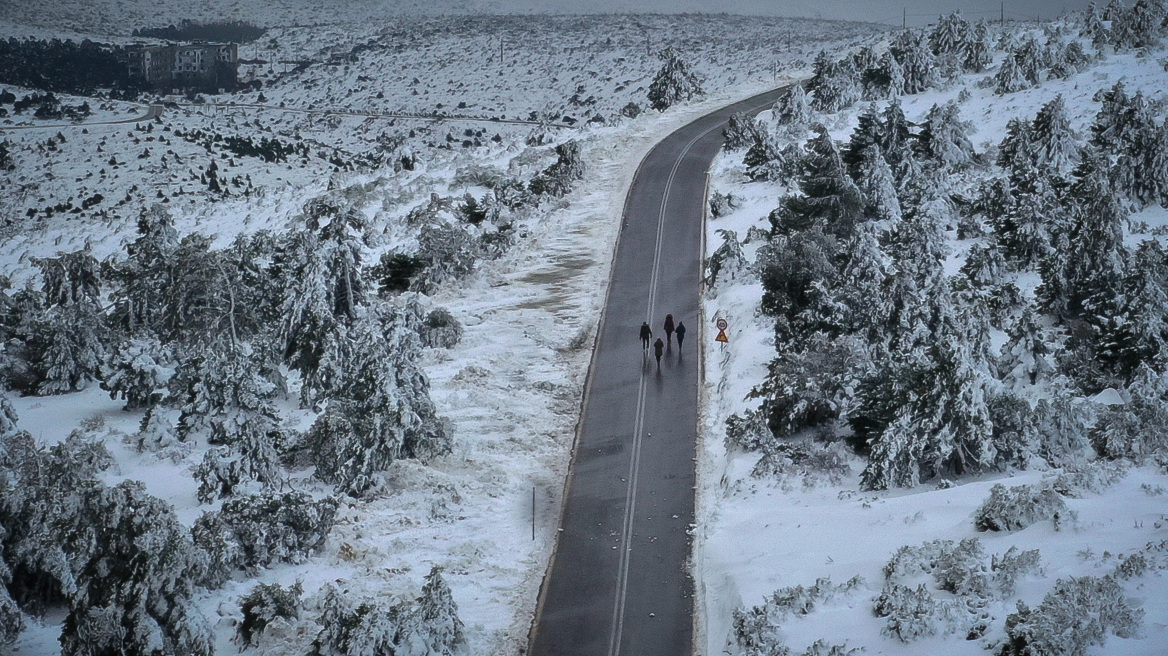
(1020,506)
(1077,614)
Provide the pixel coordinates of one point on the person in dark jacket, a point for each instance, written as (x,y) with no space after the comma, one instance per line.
(646,335)
(669,329)
(680,333)
(658,349)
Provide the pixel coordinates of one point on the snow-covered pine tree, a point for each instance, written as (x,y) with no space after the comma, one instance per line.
(559,178)
(1096,254)
(8,416)
(74,347)
(942,138)
(261,530)
(673,83)
(137,372)
(1010,77)
(868,133)
(1054,146)
(1025,358)
(979,50)
(1134,328)
(264,605)
(949,41)
(834,84)
(742,131)
(1061,426)
(1093,28)
(897,145)
(1031,57)
(1120,119)
(878,185)
(860,284)
(763,160)
(792,111)
(944,427)
(829,198)
(383,407)
(431,626)
(322,283)
(131,560)
(1141,26)
(139,293)
(916,61)
(726,262)
(1141,172)
(883,80)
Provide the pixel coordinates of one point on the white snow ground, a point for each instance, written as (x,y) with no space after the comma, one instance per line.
(758,535)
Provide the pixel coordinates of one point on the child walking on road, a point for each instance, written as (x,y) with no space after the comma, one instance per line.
(658,348)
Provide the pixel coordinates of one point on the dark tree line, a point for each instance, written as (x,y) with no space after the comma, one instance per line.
(67,67)
(219,31)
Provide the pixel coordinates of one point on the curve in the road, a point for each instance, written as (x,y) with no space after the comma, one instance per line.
(619,579)
(152,112)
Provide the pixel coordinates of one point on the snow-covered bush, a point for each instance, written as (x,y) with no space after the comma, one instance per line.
(1020,506)
(427,626)
(1077,614)
(910,613)
(559,178)
(726,262)
(440,329)
(1138,429)
(262,530)
(1093,477)
(808,459)
(722,204)
(673,83)
(450,253)
(758,630)
(263,605)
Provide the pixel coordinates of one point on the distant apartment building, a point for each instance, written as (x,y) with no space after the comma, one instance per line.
(196,65)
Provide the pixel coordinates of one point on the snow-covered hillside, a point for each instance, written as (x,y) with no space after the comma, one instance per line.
(844,262)
(233,274)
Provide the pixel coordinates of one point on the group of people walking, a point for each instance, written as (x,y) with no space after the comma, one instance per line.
(660,346)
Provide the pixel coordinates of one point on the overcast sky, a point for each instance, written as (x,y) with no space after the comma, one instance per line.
(920,12)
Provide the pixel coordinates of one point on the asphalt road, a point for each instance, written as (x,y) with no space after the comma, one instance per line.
(619,581)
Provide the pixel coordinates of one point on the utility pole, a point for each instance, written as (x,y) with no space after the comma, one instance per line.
(904,18)
(1002,19)
(501,39)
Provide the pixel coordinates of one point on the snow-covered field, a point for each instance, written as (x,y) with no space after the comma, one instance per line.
(760,536)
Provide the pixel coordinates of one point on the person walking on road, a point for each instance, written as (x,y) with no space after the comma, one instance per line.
(658,348)
(669,329)
(646,335)
(680,330)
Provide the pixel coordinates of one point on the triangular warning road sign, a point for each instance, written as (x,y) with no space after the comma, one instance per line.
(721,337)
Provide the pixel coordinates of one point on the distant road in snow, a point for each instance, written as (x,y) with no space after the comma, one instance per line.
(619,582)
(152,112)
(386,115)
